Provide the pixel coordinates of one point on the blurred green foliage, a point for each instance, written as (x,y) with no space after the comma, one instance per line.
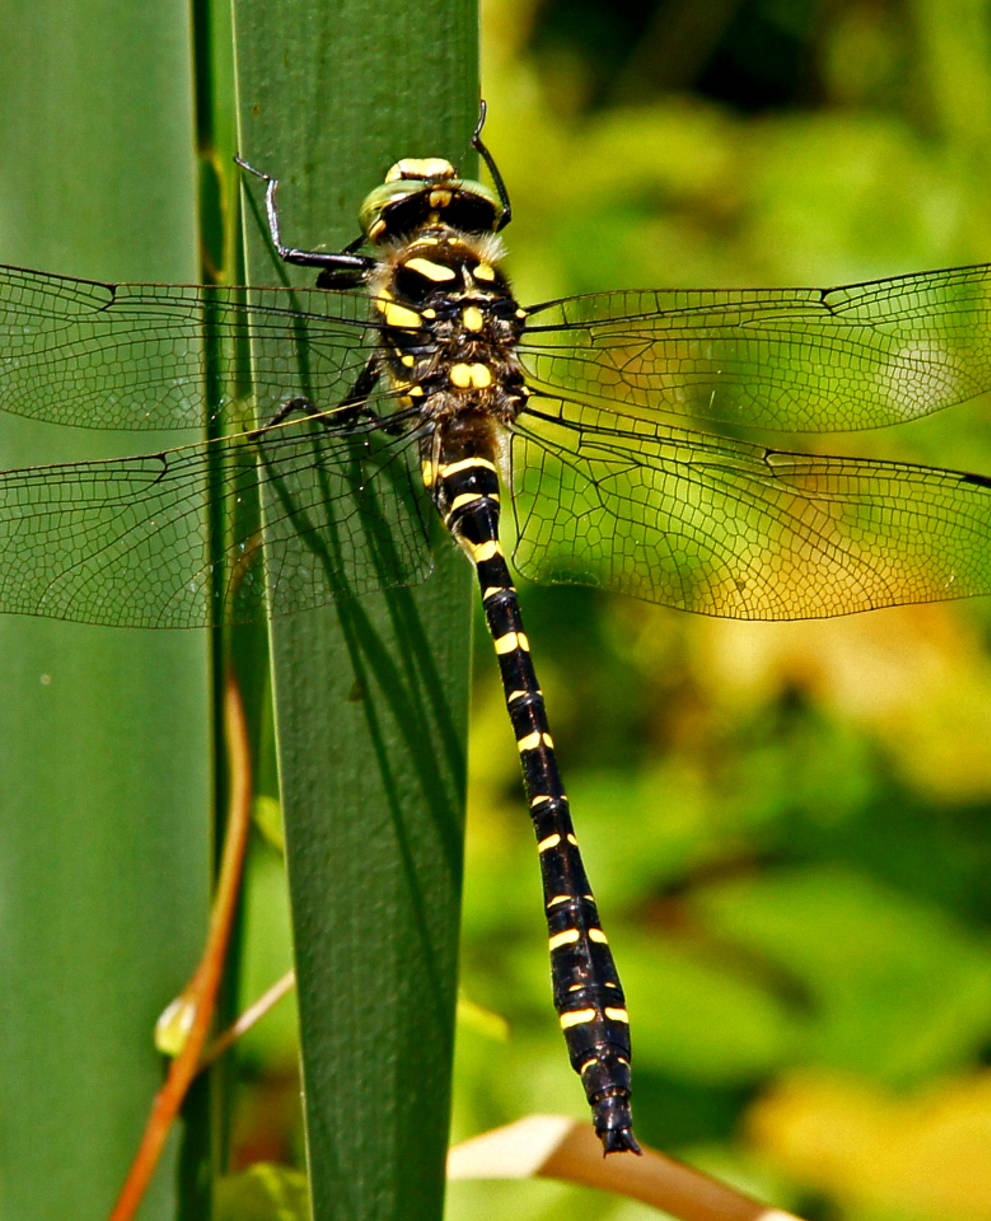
(784,824)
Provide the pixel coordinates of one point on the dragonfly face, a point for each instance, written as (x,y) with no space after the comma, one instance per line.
(580,416)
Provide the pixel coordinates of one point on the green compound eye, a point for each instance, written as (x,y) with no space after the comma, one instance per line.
(403,204)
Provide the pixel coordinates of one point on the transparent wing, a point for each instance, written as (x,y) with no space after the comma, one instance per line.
(135,356)
(802,360)
(714,525)
(127,541)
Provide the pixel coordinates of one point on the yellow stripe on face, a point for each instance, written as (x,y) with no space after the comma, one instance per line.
(568,937)
(616,1015)
(420,167)
(510,642)
(440,199)
(577,1017)
(431,271)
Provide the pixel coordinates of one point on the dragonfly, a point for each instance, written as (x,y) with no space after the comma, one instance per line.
(617,435)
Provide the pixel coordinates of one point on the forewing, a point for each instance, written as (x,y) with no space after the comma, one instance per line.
(718,526)
(802,360)
(164,356)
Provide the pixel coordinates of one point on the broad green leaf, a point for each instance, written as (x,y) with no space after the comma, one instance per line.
(104,734)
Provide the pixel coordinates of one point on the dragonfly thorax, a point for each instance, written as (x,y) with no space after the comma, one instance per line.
(449,326)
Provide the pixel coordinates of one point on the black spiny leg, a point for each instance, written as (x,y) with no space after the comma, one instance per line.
(341,270)
(352,407)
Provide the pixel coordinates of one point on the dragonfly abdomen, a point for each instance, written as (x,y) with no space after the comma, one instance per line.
(587,994)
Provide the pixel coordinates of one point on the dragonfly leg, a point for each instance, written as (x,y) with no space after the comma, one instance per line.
(340,270)
(351,408)
(476,143)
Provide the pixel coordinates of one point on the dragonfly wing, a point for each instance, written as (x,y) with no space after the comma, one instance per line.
(129,541)
(801,360)
(722,527)
(165,356)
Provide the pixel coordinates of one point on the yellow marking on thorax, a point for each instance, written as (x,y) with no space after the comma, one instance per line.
(464,376)
(398,315)
(577,1017)
(428,470)
(432,271)
(483,271)
(472,318)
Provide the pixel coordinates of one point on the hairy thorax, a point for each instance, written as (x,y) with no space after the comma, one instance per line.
(449,326)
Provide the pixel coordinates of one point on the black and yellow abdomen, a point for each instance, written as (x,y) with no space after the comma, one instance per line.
(587,993)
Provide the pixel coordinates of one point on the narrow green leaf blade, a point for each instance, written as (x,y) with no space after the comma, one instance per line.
(372,694)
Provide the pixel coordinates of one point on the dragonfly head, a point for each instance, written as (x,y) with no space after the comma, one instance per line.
(427,190)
